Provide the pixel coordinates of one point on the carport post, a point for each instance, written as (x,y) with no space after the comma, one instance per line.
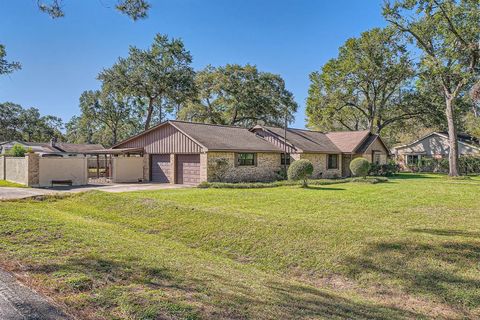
(98,166)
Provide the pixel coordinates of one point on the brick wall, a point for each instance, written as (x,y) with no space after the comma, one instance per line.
(265,169)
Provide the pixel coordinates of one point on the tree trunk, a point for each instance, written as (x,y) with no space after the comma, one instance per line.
(452,138)
(149,114)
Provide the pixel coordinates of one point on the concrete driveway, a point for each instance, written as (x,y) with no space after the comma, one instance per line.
(18,302)
(7,193)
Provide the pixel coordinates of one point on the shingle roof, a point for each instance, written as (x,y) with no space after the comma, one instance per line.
(224,138)
(44,147)
(348,141)
(306,140)
(77,147)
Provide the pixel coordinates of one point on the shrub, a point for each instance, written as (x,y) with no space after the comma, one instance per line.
(300,170)
(384,170)
(17,150)
(360,167)
(220,169)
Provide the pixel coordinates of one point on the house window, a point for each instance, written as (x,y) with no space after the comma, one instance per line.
(246,159)
(332,161)
(376,157)
(413,159)
(287,158)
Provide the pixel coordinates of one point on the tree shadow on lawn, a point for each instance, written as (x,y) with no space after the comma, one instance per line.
(222,298)
(447,232)
(435,269)
(409,176)
(322,188)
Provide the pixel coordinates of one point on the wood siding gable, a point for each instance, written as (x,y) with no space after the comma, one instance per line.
(164,139)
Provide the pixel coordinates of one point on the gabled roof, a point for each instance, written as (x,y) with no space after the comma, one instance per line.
(223,138)
(77,147)
(305,140)
(349,141)
(463,138)
(43,147)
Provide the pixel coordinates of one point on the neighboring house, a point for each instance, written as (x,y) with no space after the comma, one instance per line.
(53,148)
(433,146)
(189,153)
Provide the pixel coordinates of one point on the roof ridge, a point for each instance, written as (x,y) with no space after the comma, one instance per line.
(209,124)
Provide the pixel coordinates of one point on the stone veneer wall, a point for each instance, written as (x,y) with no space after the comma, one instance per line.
(265,169)
(146,167)
(33,165)
(319,161)
(2,167)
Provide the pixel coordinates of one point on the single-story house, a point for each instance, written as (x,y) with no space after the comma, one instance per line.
(52,148)
(435,145)
(189,153)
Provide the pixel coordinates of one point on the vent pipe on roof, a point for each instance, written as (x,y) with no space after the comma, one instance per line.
(53,142)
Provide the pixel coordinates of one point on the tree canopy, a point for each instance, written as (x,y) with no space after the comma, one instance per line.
(160,79)
(368,86)
(17,123)
(7,67)
(135,9)
(239,95)
(447,33)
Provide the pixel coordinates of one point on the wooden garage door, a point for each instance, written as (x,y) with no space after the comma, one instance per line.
(161,168)
(188,168)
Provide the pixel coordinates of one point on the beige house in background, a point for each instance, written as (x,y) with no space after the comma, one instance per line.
(433,146)
(189,153)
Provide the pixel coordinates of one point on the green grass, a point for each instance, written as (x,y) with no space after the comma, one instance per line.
(5,183)
(407,248)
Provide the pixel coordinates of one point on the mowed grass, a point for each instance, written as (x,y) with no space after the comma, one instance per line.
(5,183)
(409,248)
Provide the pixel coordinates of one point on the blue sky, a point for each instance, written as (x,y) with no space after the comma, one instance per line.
(61,58)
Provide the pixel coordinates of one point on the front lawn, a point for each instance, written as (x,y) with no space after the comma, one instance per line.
(5,183)
(408,248)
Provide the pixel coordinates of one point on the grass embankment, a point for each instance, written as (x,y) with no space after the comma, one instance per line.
(408,248)
(8,184)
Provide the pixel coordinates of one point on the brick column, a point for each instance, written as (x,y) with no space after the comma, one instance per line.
(173,169)
(203,167)
(33,169)
(146,167)
(3,167)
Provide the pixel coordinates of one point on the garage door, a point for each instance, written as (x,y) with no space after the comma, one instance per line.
(188,169)
(161,168)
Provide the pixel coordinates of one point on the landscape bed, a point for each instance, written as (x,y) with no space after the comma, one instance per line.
(404,249)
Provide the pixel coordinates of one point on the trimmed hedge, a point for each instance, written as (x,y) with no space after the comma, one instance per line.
(256,185)
(371,180)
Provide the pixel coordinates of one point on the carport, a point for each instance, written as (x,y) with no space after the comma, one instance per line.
(115,165)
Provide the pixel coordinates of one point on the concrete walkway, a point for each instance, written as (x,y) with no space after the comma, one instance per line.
(18,302)
(7,193)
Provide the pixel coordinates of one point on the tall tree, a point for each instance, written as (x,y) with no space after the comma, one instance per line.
(17,123)
(135,9)
(447,33)
(160,77)
(7,67)
(368,86)
(239,95)
(109,111)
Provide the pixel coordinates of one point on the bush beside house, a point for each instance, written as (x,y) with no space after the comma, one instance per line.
(360,167)
(300,170)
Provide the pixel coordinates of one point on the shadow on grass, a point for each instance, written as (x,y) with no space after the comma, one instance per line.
(321,188)
(408,176)
(434,269)
(126,284)
(447,232)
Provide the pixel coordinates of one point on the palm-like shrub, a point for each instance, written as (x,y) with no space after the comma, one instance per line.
(360,167)
(300,170)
